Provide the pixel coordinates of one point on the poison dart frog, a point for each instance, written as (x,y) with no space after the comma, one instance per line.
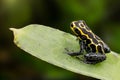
(89,42)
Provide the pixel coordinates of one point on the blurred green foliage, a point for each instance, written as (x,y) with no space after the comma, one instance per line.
(102,16)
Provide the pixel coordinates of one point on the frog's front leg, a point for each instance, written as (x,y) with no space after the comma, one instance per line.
(82,47)
(93,58)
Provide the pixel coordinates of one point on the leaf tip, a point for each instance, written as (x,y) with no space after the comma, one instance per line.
(13,29)
(15,33)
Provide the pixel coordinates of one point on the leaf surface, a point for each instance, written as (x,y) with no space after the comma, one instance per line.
(49,45)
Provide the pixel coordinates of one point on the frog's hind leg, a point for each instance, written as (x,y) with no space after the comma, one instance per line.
(93,58)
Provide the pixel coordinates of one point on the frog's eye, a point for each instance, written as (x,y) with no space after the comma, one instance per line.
(71,25)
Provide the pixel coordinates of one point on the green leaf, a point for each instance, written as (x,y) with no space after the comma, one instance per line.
(49,45)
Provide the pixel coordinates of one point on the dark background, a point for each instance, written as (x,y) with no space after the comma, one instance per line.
(102,16)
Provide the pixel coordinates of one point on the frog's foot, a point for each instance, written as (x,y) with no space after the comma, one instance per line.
(90,61)
(72,53)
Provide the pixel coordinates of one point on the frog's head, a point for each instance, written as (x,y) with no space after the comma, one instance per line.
(80,23)
(77,25)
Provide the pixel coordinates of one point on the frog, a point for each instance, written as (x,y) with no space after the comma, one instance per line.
(90,43)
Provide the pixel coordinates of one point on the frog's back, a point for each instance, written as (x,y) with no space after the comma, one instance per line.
(93,42)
